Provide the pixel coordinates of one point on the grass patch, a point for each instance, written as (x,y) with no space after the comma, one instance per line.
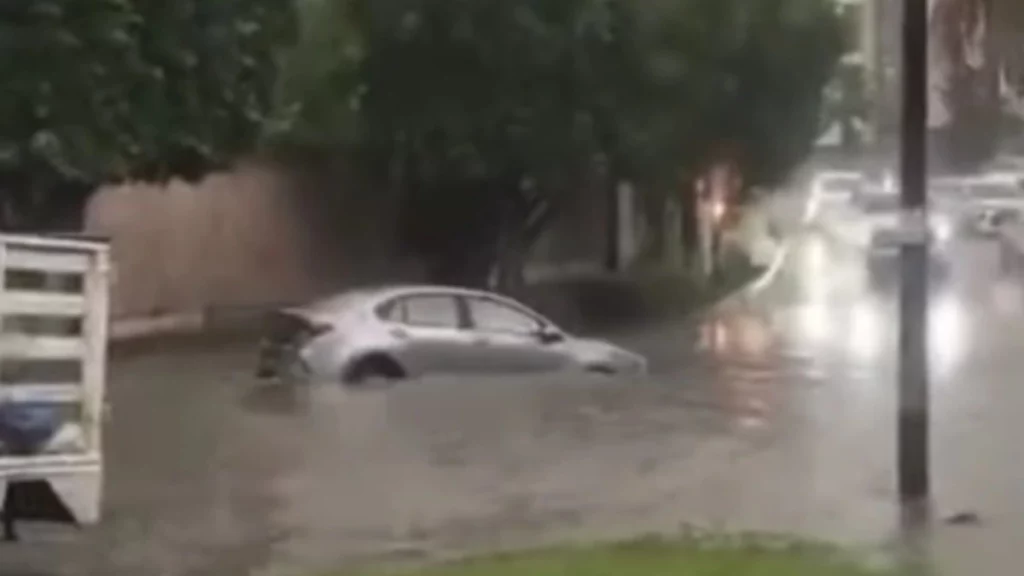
(656,558)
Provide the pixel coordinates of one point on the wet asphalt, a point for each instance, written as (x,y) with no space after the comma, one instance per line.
(774,411)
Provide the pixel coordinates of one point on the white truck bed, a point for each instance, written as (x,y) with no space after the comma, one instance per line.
(54,299)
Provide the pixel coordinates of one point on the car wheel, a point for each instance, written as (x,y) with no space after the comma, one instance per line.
(373,370)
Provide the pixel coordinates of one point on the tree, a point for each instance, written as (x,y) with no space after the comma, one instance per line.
(790,52)
(981,58)
(485,113)
(484,116)
(740,83)
(108,90)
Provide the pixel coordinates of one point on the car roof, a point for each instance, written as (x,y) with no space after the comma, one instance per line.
(372,296)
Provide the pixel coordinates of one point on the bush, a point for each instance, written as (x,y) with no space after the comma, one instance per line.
(602,302)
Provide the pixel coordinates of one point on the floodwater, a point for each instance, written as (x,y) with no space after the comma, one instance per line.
(772,412)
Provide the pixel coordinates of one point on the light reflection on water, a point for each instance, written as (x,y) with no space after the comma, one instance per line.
(867,333)
(840,329)
(815,324)
(1007,297)
(860,335)
(814,275)
(867,330)
(747,383)
(948,334)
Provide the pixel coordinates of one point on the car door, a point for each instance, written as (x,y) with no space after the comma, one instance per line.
(430,334)
(507,339)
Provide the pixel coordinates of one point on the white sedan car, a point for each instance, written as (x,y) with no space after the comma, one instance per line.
(403,332)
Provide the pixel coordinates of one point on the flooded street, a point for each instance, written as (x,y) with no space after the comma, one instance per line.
(773,412)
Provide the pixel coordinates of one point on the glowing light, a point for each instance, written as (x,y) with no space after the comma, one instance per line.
(754,338)
(947,333)
(814,202)
(942,230)
(718,210)
(815,277)
(889,183)
(815,323)
(867,331)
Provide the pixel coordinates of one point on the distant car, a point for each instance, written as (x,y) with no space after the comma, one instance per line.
(995,191)
(838,185)
(987,222)
(400,332)
(883,255)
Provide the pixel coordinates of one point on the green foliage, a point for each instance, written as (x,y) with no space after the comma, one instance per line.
(320,87)
(457,101)
(99,90)
(790,54)
(541,86)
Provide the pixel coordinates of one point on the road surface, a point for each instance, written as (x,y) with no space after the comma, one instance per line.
(772,412)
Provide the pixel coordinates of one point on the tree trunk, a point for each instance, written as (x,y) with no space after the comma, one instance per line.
(510,270)
(612,258)
(522,225)
(688,205)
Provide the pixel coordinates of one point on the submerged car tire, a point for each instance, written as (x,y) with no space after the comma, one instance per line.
(375,368)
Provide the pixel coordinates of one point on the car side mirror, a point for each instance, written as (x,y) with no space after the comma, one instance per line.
(550,336)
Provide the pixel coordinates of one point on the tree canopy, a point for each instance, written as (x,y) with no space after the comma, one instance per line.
(481,115)
(484,114)
(106,90)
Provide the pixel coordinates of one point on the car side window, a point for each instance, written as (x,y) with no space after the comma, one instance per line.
(391,311)
(429,311)
(492,316)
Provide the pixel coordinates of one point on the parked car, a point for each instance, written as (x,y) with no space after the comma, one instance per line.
(400,332)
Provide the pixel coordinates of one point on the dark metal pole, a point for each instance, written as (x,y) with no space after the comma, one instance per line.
(912,443)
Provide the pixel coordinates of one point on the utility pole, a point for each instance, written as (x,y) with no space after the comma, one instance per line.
(913,425)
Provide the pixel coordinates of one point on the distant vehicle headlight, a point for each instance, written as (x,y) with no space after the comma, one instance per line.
(942,230)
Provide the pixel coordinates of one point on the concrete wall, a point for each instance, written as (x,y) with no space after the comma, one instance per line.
(234,239)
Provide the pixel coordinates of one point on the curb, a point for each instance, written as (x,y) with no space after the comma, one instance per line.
(220,320)
(128,329)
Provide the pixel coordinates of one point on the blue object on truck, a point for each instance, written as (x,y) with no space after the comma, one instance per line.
(27,427)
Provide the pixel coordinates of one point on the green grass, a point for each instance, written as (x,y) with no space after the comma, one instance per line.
(655,558)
